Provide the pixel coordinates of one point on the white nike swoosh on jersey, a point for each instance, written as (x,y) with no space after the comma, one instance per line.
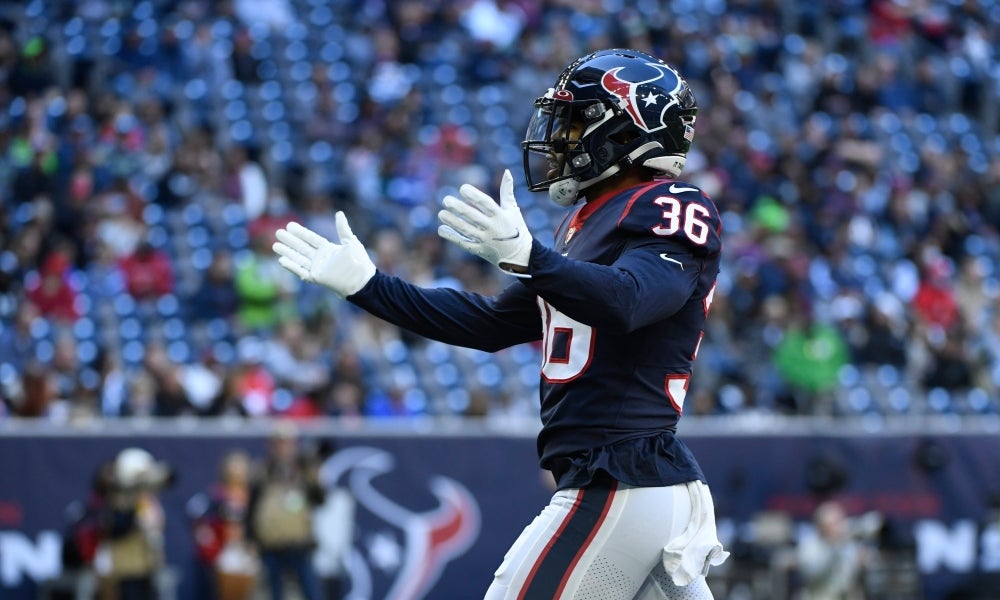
(673,260)
(675,189)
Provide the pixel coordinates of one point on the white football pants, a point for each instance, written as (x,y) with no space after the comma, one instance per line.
(615,542)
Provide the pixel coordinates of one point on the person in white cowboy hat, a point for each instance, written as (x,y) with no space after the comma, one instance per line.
(131,551)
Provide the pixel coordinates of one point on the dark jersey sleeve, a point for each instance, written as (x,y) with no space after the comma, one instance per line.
(452,316)
(639,288)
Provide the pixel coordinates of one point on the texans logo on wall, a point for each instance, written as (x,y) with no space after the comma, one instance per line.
(401,544)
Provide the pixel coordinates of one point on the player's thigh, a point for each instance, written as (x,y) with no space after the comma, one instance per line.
(621,556)
(525,547)
(594,543)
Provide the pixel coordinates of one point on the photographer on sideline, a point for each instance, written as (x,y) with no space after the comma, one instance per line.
(131,549)
(283,496)
(832,560)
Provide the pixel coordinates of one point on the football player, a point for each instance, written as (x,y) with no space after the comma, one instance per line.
(619,302)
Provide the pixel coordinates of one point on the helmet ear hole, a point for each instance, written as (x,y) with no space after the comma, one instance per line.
(594,111)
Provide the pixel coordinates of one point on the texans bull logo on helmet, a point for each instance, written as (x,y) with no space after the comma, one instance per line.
(642,101)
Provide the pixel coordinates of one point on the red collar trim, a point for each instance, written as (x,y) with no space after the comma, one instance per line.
(590,208)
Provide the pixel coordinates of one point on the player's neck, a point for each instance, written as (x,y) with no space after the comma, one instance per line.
(628,179)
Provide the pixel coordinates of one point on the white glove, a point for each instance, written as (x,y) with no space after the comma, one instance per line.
(496,233)
(345,268)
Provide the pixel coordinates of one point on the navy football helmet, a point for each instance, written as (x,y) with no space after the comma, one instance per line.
(608,110)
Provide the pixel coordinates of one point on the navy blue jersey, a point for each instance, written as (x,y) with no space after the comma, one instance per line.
(620,303)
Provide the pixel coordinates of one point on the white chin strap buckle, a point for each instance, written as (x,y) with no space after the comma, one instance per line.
(565,192)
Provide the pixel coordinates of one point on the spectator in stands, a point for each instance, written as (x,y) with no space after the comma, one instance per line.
(972,294)
(991,354)
(121,142)
(252,387)
(169,396)
(17,344)
(390,402)
(8,53)
(113,387)
(52,293)
(880,336)
(34,163)
(294,357)
(148,271)
(65,378)
(202,381)
(345,399)
(952,365)
(104,273)
(141,395)
(244,64)
(262,287)
(32,74)
(118,211)
(228,402)
(157,159)
(934,303)
(245,182)
(34,394)
(216,296)
(809,358)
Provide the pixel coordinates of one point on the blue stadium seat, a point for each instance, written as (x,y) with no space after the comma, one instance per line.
(489,376)
(83,329)
(133,353)
(939,400)
(124,305)
(396,352)
(174,329)
(179,352)
(86,352)
(167,305)
(130,328)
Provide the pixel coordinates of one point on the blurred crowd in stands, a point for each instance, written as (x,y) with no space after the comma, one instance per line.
(149,150)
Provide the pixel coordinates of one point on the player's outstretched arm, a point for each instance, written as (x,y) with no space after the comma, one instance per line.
(345,268)
(493,231)
(446,315)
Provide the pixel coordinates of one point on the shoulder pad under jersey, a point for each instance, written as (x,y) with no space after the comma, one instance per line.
(676,211)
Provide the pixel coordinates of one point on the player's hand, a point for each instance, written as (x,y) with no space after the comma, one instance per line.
(345,268)
(494,232)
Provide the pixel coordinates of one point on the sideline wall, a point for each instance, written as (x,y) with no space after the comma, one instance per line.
(439,505)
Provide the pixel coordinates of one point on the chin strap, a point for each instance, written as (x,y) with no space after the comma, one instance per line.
(565,192)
